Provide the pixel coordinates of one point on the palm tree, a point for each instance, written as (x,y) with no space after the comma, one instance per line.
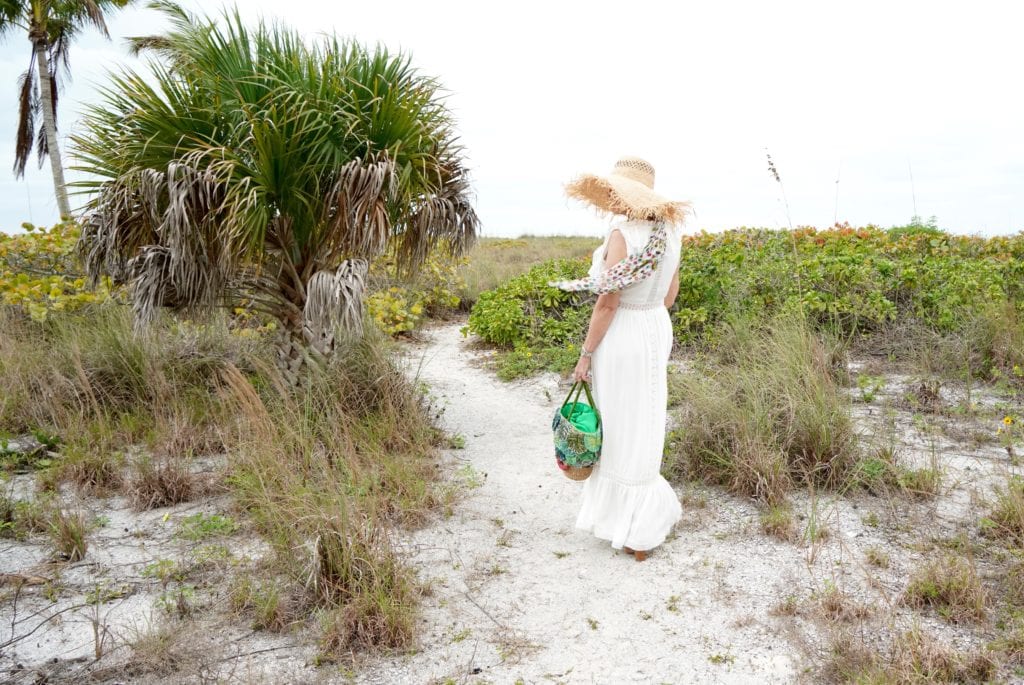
(251,166)
(51,25)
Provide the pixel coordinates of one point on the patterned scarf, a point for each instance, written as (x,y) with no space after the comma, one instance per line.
(632,269)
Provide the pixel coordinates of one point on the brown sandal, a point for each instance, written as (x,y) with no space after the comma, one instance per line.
(639,554)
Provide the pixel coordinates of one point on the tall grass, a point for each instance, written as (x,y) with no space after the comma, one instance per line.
(768,414)
(326,472)
(988,345)
(493,261)
(74,370)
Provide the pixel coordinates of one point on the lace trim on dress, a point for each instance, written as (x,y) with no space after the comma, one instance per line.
(626,481)
(642,306)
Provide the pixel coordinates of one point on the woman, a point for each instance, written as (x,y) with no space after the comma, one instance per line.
(635,272)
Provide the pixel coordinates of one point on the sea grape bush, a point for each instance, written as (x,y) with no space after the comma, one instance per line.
(39,275)
(848,280)
(398,303)
(525,310)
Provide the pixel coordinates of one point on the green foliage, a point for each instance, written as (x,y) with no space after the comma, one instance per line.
(851,282)
(399,302)
(202,526)
(535,323)
(250,164)
(39,273)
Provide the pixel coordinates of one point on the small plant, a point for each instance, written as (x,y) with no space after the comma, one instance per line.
(877,557)
(951,585)
(869,387)
(104,594)
(778,522)
(673,604)
(1009,434)
(561,555)
(164,570)
(202,526)
(264,600)
(923,482)
(179,602)
(836,605)
(789,606)
(471,478)
(592,622)
(457,441)
(1006,519)
(721,659)
(68,531)
(160,482)
(21,518)
(461,635)
(883,472)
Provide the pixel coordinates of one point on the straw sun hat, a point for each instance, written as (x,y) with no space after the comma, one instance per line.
(629,191)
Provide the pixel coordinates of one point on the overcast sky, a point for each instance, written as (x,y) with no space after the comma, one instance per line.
(869,93)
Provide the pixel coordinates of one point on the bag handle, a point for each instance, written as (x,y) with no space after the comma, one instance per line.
(581,386)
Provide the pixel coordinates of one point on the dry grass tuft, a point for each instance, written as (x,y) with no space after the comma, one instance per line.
(952,586)
(267,601)
(1006,520)
(160,482)
(91,470)
(877,557)
(771,415)
(68,531)
(162,649)
(21,518)
(910,657)
(332,467)
(778,521)
(836,605)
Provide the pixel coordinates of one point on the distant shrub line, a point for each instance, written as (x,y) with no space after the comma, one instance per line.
(851,282)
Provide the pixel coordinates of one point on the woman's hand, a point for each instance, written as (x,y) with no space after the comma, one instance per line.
(582,370)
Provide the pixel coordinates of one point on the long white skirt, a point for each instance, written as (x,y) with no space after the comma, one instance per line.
(626,500)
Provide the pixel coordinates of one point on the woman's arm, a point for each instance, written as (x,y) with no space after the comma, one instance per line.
(604,310)
(673,290)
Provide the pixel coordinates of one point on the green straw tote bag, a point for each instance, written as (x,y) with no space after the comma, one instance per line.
(577,428)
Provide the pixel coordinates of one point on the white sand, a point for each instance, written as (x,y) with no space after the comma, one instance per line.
(517,593)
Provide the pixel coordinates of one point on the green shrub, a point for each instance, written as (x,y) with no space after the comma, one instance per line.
(527,311)
(399,302)
(967,293)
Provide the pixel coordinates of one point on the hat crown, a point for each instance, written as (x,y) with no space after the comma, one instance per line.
(635,169)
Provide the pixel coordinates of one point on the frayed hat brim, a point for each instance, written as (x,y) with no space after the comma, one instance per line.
(624,197)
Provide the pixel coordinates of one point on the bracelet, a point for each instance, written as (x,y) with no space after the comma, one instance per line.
(584,353)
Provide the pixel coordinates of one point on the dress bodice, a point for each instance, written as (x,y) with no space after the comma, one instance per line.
(636,234)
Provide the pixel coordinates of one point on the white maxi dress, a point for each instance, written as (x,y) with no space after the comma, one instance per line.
(626,500)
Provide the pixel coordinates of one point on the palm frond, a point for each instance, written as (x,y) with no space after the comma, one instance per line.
(28,107)
(334,303)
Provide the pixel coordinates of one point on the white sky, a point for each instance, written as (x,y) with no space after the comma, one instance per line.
(544,90)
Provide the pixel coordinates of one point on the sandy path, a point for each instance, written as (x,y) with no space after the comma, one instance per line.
(519,594)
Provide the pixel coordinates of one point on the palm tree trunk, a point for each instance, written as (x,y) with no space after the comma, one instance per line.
(50,128)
